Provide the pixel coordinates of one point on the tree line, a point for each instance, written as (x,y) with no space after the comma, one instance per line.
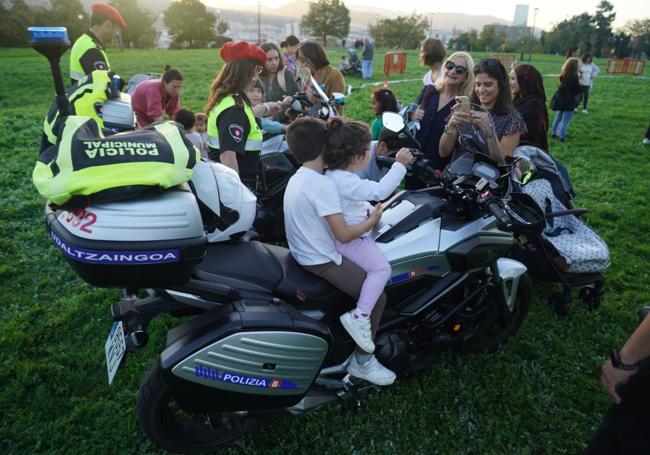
(592,33)
(190,24)
(188,21)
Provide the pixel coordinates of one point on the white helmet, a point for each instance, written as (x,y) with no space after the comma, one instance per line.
(227,205)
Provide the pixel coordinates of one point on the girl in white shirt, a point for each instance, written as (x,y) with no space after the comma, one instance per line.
(587,70)
(347,152)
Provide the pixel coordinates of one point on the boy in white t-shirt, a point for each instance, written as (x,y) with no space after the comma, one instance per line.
(313,219)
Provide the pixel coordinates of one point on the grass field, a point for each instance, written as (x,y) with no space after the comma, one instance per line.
(538,394)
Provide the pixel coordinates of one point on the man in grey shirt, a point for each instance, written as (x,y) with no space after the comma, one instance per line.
(366,59)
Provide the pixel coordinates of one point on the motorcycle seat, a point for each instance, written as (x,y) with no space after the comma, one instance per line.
(303,289)
(246,266)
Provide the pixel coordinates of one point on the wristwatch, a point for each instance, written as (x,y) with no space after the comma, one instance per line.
(615,357)
(448,130)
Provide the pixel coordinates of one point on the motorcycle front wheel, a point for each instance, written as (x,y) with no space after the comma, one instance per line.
(175,430)
(492,331)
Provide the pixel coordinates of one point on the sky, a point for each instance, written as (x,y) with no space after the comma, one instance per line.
(549,11)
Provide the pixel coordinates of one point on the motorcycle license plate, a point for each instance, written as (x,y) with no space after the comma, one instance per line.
(115,348)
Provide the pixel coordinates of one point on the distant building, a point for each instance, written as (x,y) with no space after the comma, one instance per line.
(521,16)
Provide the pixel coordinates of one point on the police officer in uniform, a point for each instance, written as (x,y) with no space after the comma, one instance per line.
(88,54)
(234,136)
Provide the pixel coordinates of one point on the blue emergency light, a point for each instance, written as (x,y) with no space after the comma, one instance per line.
(48,36)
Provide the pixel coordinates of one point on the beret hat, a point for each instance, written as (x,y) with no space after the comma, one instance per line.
(242,50)
(109,12)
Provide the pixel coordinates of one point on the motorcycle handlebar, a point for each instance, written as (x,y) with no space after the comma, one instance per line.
(500,214)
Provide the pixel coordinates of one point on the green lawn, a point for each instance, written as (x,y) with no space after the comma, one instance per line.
(539,394)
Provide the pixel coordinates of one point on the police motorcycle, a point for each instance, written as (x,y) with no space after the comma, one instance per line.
(264,338)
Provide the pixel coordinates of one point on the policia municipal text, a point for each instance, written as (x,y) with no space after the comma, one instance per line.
(234,137)
(88,54)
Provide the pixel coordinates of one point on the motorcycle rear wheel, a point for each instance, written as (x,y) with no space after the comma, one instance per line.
(175,430)
(489,338)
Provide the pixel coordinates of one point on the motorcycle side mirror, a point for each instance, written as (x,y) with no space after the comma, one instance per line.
(393,121)
(522,171)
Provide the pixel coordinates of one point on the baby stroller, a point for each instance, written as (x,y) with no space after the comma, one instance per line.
(354,64)
(568,251)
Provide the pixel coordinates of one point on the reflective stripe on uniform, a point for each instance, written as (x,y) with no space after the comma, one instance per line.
(249,146)
(76,75)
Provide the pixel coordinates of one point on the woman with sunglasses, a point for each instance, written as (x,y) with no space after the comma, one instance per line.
(311,55)
(434,106)
(500,129)
(234,137)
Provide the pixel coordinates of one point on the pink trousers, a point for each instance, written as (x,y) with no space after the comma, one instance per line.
(365,253)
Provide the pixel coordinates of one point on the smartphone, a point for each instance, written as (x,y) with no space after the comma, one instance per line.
(463,103)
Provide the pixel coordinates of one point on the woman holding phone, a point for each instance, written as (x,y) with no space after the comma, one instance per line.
(434,106)
(498,129)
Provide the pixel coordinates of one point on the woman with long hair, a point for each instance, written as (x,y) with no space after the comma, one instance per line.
(153,98)
(278,82)
(498,129)
(234,137)
(434,106)
(567,99)
(529,100)
(311,55)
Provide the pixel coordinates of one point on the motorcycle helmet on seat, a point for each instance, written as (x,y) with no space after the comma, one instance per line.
(227,206)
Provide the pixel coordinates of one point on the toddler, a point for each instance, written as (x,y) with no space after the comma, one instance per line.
(187,119)
(255,94)
(201,127)
(347,152)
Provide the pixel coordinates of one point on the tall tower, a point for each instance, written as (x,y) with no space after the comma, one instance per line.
(521,16)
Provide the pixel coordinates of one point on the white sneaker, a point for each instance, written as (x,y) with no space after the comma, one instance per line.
(646,141)
(359,330)
(371,371)
(585,111)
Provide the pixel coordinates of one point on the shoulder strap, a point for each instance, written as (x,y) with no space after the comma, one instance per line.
(239,102)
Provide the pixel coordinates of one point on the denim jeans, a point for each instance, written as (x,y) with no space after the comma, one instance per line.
(561,123)
(366,69)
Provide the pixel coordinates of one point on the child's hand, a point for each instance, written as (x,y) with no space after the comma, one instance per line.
(404,156)
(417,115)
(375,215)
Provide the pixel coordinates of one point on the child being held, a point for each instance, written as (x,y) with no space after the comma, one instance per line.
(347,152)
(255,94)
(383,100)
(187,119)
(313,220)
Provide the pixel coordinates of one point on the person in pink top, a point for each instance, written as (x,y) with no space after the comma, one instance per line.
(153,98)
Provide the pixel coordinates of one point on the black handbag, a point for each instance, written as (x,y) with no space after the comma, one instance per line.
(555,101)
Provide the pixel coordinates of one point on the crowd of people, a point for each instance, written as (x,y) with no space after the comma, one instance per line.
(327,214)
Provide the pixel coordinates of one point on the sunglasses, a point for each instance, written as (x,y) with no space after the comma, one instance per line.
(487,63)
(460,70)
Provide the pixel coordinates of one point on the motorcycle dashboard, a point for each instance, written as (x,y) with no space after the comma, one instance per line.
(484,170)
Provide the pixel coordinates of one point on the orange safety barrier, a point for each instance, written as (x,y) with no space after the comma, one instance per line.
(625,66)
(394,62)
